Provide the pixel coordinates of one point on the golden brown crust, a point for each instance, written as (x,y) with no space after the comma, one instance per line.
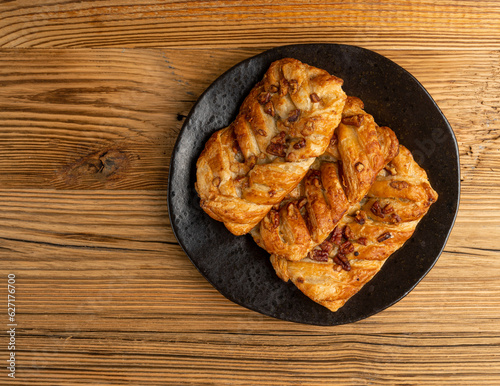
(331,185)
(373,233)
(286,121)
(363,147)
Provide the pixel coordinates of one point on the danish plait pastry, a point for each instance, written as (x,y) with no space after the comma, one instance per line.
(285,122)
(365,237)
(338,179)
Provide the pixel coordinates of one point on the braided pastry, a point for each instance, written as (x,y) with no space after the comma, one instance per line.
(286,121)
(365,237)
(338,179)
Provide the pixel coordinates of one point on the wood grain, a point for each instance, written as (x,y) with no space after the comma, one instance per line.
(128,105)
(396,24)
(106,296)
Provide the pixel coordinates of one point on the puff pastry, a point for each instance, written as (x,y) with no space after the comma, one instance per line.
(286,121)
(365,237)
(338,179)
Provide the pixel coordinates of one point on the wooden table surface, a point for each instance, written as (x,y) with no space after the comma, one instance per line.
(92,97)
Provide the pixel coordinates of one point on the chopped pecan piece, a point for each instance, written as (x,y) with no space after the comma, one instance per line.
(318,255)
(377,209)
(264,97)
(347,248)
(294,86)
(300,144)
(342,260)
(391,170)
(388,209)
(276,149)
(272,193)
(399,185)
(360,217)
(362,240)
(280,138)
(395,217)
(359,167)
(269,108)
(308,128)
(353,120)
(274,218)
(384,237)
(326,246)
(261,132)
(336,236)
(283,87)
(294,116)
(347,232)
(314,98)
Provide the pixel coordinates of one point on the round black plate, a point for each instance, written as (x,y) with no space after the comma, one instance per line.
(236,266)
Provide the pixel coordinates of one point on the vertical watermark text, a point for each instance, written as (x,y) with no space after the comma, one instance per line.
(11,325)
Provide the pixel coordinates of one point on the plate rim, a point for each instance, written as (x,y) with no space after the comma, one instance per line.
(292,46)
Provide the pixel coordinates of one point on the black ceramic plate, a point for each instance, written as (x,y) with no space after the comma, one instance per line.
(236,266)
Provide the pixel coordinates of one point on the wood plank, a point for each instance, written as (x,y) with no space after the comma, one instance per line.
(229,24)
(67,113)
(118,302)
(105,294)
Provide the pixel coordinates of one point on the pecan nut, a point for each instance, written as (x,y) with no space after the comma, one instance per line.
(314,98)
(353,120)
(318,255)
(294,116)
(308,128)
(360,217)
(276,149)
(269,108)
(384,236)
(377,209)
(399,185)
(346,248)
(283,87)
(264,97)
(359,167)
(362,240)
(336,236)
(388,209)
(341,259)
(300,144)
(347,232)
(294,86)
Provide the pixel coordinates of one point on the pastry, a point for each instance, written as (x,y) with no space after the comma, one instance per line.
(285,122)
(336,181)
(365,237)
